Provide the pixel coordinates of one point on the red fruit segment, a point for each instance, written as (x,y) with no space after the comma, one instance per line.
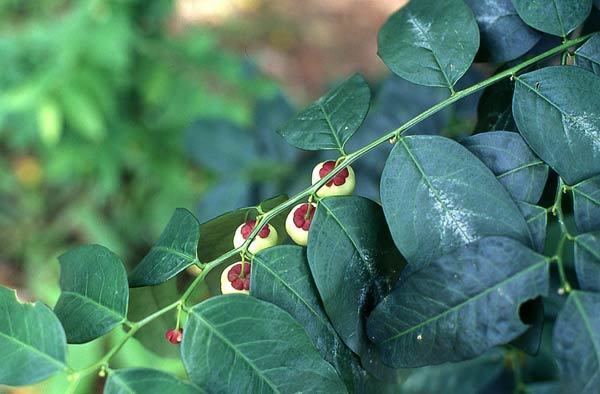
(339,179)
(238,281)
(174,336)
(249,226)
(302,216)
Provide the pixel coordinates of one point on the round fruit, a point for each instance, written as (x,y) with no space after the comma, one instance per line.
(342,184)
(266,238)
(298,222)
(233,281)
(174,336)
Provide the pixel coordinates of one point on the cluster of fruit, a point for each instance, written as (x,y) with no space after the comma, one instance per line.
(236,277)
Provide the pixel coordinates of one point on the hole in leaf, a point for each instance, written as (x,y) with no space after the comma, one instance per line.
(529,311)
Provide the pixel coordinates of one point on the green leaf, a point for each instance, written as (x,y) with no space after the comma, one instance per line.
(588,55)
(174,251)
(239,344)
(217,234)
(435,314)
(494,111)
(94,293)
(33,346)
(280,275)
(466,377)
(353,261)
(557,17)
(430,42)
(586,204)
(543,388)
(146,381)
(537,220)
(332,119)
(517,168)
(587,261)
(504,35)
(577,343)
(557,110)
(438,196)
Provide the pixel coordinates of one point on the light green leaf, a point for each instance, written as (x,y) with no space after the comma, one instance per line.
(557,110)
(438,196)
(331,120)
(174,251)
(94,293)
(558,17)
(430,42)
(147,381)
(239,344)
(577,343)
(353,261)
(33,346)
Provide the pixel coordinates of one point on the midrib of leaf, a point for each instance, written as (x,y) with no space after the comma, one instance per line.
(123,384)
(586,247)
(300,298)
(228,343)
(586,322)
(587,196)
(560,22)
(175,252)
(434,190)
(542,96)
(104,307)
(471,299)
(533,218)
(34,350)
(519,168)
(331,128)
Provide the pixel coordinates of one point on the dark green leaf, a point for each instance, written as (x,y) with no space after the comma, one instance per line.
(588,55)
(586,204)
(577,343)
(557,110)
(353,261)
(543,388)
(174,251)
(281,276)
(220,145)
(94,293)
(504,36)
(558,17)
(331,120)
(438,196)
(587,261)
(239,344)
(517,168)
(466,377)
(217,234)
(33,346)
(537,220)
(494,111)
(430,42)
(146,381)
(435,314)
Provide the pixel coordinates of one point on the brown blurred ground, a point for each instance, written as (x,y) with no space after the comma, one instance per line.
(304,44)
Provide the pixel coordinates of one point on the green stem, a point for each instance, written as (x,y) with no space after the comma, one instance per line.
(349,159)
